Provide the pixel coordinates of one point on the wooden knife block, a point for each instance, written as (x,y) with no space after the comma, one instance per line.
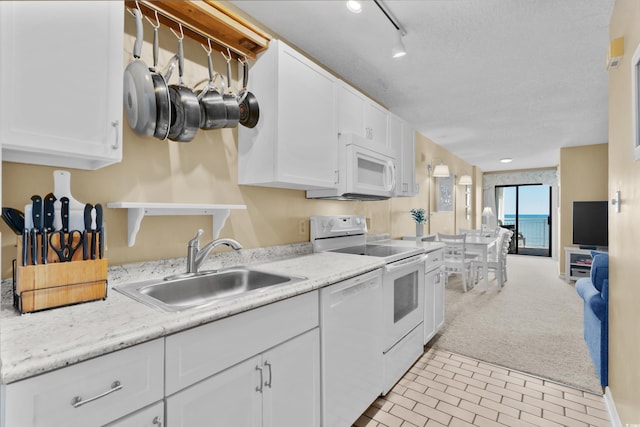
(56,284)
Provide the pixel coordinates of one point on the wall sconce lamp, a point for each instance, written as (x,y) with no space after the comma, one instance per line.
(465,180)
(439,171)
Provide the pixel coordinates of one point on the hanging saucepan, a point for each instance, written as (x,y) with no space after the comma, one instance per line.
(247,101)
(185,109)
(230,99)
(213,112)
(161,89)
(139,96)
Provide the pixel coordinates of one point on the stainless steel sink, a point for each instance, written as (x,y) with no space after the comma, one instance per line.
(203,289)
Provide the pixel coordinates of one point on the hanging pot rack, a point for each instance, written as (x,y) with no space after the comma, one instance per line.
(204,20)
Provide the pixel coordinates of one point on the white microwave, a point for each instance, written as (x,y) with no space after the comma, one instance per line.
(366,171)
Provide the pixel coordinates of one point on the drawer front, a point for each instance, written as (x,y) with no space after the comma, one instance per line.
(102,389)
(151,416)
(203,351)
(434,259)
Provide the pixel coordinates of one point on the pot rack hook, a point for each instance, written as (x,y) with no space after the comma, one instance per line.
(205,49)
(179,37)
(137,7)
(157,24)
(225,56)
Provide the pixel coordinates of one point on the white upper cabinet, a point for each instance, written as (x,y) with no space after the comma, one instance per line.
(61,68)
(401,138)
(360,115)
(295,143)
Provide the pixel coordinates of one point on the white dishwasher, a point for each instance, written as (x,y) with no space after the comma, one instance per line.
(351,341)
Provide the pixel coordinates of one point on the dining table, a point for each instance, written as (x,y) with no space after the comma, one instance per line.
(481,244)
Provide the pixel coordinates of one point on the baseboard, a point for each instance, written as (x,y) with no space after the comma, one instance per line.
(611,408)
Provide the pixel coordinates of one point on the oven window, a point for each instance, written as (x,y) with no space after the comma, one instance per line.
(405,296)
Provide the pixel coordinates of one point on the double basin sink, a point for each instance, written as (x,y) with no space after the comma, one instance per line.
(196,290)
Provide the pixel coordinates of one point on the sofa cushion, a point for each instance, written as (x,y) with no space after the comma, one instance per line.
(592,298)
(599,269)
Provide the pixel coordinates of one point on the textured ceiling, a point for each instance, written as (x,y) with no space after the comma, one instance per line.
(485,79)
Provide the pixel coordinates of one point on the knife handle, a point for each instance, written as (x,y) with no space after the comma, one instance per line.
(101,243)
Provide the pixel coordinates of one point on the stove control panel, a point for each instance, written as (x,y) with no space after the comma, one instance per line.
(337,226)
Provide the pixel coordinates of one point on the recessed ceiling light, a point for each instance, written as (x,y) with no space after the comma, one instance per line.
(506,160)
(354,6)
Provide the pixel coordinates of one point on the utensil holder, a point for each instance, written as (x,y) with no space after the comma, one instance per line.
(57,284)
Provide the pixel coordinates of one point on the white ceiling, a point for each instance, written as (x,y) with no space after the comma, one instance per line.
(484,79)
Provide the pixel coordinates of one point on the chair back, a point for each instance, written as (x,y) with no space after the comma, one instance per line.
(454,251)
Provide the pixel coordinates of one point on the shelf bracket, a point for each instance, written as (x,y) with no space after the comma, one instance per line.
(137,211)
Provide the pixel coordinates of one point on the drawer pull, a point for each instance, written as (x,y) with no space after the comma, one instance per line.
(77,401)
(157,421)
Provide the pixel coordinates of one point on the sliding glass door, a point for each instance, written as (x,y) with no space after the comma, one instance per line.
(526,210)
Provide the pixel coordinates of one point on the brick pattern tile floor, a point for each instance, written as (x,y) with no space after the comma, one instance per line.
(446,389)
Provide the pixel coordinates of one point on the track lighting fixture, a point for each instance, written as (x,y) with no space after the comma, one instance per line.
(398,50)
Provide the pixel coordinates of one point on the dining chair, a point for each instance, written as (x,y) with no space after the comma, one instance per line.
(497,262)
(470,232)
(456,259)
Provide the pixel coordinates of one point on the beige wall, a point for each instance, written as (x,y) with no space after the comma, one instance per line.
(583,177)
(202,171)
(624,231)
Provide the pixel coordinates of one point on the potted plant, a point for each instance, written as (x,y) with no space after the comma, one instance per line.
(420,218)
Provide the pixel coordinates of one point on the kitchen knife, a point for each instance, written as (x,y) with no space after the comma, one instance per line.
(87,227)
(100,230)
(25,246)
(64,213)
(36,215)
(49,212)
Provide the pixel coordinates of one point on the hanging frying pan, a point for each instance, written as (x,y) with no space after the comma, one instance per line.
(139,95)
(230,99)
(161,90)
(185,109)
(247,101)
(213,112)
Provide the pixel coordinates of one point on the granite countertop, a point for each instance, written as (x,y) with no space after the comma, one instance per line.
(35,343)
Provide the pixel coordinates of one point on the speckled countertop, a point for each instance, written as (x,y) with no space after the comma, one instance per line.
(35,343)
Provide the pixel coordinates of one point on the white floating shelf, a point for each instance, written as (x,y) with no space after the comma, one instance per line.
(137,211)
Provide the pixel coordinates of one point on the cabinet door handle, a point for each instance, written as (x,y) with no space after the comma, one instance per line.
(77,401)
(268,383)
(259,387)
(116,144)
(157,421)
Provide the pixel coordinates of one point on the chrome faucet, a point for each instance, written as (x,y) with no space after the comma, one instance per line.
(195,255)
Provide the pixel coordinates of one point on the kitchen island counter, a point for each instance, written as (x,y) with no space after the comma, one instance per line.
(35,343)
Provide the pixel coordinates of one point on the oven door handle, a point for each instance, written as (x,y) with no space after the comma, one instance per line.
(404,264)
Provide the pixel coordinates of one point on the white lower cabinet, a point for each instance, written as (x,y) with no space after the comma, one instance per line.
(90,393)
(433,294)
(278,388)
(257,368)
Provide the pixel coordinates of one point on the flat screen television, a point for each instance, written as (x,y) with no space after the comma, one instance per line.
(591,224)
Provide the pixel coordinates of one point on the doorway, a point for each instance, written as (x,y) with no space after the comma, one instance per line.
(526,210)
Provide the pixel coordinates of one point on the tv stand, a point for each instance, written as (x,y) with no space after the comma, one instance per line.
(577,262)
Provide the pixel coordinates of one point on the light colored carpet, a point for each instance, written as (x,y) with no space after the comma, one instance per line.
(533,325)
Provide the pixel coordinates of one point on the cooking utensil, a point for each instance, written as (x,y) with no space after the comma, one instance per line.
(87,228)
(65,245)
(14,219)
(49,211)
(36,215)
(247,101)
(64,213)
(99,230)
(139,92)
(161,90)
(213,112)
(230,99)
(185,109)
